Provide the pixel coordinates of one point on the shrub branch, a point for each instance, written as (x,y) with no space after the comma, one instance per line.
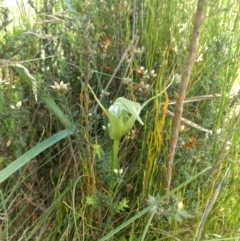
(182,92)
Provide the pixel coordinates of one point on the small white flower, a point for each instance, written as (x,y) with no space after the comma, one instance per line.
(218,131)
(59,87)
(199,58)
(104,93)
(228,145)
(138,51)
(118,172)
(42,55)
(54,86)
(147,86)
(126,81)
(9,142)
(146,76)
(182,127)
(104,127)
(179,206)
(18,105)
(152,73)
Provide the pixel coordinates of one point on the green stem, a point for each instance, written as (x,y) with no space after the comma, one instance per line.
(146,102)
(147,227)
(95,97)
(115,161)
(114,164)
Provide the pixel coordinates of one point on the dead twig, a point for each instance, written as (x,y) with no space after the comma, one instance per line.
(190,123)
(190,100)
(195,98)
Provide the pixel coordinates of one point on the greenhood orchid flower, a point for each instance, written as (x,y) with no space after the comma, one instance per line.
(122,115)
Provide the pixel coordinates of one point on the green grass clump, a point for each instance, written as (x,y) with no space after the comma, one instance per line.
(56,176)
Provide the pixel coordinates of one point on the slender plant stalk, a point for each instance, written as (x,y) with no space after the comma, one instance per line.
(133,23)
(147,226)
(209,208)
(115,161)
(182,92)
(89,167)
(86,100)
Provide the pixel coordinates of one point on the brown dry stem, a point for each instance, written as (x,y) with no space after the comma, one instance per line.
(182,92)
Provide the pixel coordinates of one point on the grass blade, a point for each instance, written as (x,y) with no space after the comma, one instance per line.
(29,155)
(57,111)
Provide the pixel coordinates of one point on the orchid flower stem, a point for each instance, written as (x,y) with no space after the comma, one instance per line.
(114,164)
(115,161)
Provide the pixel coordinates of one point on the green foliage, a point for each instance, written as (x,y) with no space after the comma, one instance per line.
(55,157)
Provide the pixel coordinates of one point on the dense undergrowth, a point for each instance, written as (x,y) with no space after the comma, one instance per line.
(64,188)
